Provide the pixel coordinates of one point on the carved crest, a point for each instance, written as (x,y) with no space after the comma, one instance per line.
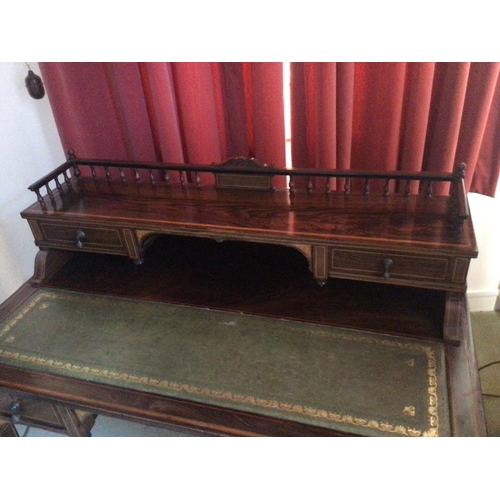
(242,162)
(241,181)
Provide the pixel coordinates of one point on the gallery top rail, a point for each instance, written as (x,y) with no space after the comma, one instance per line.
(159,173)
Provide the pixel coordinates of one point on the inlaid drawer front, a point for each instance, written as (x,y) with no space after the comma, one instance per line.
(82,237)
(23,409)
(388,265)
(26,409)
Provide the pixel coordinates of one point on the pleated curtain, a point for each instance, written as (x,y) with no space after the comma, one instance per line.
(398,116)
(367,116)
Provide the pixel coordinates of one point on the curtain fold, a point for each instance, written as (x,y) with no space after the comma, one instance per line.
(488,160)
(479,105)
(419,78)
(321,112)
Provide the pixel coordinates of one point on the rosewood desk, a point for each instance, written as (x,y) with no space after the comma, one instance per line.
(385,253)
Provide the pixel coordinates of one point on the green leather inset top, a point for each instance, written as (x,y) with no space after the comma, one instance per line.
(349,380)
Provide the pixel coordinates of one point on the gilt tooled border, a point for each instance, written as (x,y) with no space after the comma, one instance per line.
(432,388)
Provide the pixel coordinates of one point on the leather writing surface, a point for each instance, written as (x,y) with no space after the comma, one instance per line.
(335,377)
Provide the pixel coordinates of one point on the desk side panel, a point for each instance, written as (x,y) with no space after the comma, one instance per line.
(466,403)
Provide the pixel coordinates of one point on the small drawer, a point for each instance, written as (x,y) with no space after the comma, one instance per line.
(26,410)
(390,265)
(32,411)
(82,237)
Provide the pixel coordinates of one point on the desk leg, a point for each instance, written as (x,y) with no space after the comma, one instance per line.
(8,430)
(76,423)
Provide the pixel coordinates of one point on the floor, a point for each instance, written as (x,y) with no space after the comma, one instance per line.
(486,330)
(112,427)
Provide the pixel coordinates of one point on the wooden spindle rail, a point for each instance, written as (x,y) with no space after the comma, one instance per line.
(189,174)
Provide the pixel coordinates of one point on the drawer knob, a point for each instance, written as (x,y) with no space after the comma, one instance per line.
(387,267)
(80,236)
(15,412)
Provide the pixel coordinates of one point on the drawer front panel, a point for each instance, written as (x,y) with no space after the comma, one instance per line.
(366,263)
(32,411)
(92,239)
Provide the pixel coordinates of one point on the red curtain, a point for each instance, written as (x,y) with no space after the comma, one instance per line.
(370,116)
(171,112)
(398,116)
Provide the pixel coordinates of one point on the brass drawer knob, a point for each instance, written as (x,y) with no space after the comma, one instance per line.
(80,237)
(388,263)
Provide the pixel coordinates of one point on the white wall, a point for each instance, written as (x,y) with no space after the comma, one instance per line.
(484,273)
(30,148)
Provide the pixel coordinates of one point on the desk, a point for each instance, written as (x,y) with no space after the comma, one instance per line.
(415,248)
